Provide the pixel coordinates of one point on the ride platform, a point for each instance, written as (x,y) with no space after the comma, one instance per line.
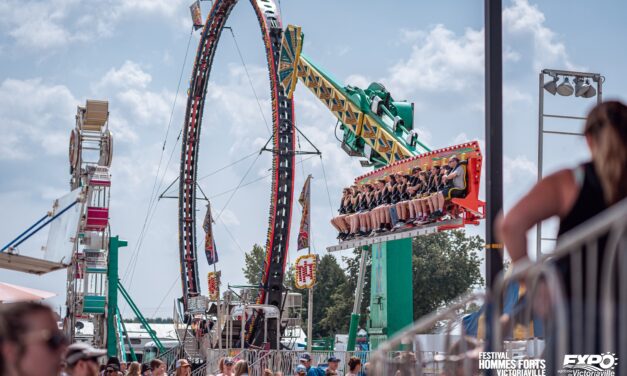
(410,232)
(28,264)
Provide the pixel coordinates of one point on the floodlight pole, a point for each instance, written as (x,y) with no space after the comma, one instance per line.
(493,135)
(595,77)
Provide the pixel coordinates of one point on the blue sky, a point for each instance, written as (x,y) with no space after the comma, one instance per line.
(55,54)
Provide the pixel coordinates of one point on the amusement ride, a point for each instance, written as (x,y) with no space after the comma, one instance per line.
(375,128)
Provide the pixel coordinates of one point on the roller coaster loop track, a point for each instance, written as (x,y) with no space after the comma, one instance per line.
(283,133)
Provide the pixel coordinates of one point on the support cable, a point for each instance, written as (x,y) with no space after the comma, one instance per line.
(250,81)
(326,183)
(156,187)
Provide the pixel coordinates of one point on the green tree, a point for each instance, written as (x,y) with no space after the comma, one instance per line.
(329,278)
(445,266)
(253,264)
(337,315)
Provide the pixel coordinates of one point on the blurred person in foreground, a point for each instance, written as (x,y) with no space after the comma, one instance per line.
(31,343)
(576,195)
(82,360)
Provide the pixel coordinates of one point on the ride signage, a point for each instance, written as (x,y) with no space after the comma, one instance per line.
(305,271)
(213,282)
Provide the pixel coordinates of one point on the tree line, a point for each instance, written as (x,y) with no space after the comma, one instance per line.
(445,265)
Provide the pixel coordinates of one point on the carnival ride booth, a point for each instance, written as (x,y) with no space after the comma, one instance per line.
(461,208)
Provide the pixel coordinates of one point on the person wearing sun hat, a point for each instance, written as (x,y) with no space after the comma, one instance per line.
(82,360)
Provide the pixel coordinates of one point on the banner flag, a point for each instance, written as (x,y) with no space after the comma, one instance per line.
(304,200)
(210,243)
(196,14)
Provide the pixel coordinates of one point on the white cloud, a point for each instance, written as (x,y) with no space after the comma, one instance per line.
(439,61)
(227,217)
(130,74)
(519,167)
(34,117)
(41,25)
(525,20)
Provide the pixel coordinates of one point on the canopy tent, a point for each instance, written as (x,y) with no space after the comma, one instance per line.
(10,293)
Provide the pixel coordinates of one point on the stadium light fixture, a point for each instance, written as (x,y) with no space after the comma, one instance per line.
(551,86)
(565,88)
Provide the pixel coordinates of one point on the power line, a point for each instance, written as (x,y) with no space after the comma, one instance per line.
(227,166)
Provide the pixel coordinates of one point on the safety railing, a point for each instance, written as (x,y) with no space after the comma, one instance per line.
(573,301)
(286,360)
(403,352)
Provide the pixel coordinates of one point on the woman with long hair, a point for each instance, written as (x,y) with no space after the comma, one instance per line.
(241,368)
(576,195)
(134,369)
(354,366)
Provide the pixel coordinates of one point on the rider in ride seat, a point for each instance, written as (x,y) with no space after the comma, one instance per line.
(455,187)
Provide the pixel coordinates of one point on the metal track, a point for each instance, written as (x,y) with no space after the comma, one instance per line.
(282,161)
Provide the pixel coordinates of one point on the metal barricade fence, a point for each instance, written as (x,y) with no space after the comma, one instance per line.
(572,301)
(402,354)
(578,293)
(286,360)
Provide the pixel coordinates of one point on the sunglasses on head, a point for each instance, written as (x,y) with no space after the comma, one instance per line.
(228,363)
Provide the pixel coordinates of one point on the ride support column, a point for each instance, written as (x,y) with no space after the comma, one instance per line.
(391,290)
(112,299)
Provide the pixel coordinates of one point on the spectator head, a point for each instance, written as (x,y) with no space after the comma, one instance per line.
(241,367)
(300,370)
(134,368)
(183,368)
(606,135)
(112,369)
(182,363)
(268,372)
(416,170)
(228,365)
(305,359)
(146,370)
(354,364)
(31,343)
(333,362)
(157,367)
(82,359)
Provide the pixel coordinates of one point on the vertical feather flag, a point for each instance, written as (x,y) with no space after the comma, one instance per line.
(210,243)
(305,220)
(196,14)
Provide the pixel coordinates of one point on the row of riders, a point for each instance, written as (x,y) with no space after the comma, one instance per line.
(400,200)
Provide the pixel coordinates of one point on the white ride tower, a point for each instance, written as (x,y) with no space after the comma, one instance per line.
(90,153)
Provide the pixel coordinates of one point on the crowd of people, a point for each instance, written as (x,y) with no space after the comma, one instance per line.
(400,200)
(305,367)
(31,344)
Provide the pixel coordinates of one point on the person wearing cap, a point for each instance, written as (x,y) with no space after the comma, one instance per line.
(333,362)
(183,368)
(226,367)
(305,360)
(82,360)
(456,188)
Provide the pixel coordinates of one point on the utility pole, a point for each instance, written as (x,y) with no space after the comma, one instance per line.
(493,134)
